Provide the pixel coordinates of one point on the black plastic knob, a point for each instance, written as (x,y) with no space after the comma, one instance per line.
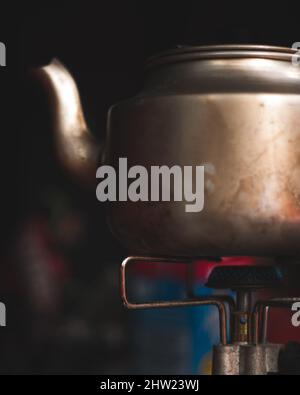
(239,277)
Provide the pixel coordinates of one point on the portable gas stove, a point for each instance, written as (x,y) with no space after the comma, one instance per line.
(243,325)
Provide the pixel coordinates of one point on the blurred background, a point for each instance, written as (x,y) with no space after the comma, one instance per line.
(59,267)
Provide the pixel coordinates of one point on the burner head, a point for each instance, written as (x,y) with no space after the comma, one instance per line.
(240,277)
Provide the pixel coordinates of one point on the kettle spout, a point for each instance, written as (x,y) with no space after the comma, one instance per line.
(76,147)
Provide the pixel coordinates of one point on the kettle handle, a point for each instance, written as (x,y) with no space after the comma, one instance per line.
(77,149)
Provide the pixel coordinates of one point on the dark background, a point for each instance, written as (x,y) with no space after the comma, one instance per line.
(105,45)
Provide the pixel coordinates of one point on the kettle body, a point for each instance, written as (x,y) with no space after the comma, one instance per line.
(236,111)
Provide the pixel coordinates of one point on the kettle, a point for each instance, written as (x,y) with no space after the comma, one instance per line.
(234,110)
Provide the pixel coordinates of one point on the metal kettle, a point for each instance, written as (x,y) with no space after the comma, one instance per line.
(235,109)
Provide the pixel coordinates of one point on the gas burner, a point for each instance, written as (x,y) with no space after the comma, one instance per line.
(244,346)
